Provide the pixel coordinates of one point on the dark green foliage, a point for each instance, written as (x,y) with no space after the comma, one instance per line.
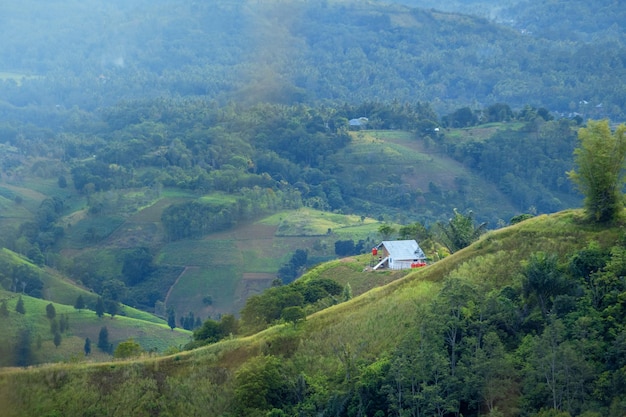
(4,309)
(520,218)
(171,318)
(543,281)
(499,112)
(137,265)
(35,255)
(26,279)
(293,314)
(80,303)
(588,261)
(57,339)
(190,322)
(112,307)
(460,231)
(344,247)
(50,311)
(483,61)
(527,165)
(212,331)
(103,340)
(415,231)
(386,231)
(317,289)
(195,219)
(19,306)
(154,288)
(294,268)
(463,117)
(261,385)
(87,346)
(266,308)
(99,309)
(23,349)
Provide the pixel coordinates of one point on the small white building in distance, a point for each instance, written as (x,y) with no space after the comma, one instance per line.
(398,254)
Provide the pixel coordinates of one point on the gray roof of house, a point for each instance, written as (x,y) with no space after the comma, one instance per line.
(403,249)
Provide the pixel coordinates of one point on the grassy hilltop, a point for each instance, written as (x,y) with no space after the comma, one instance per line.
(341,354)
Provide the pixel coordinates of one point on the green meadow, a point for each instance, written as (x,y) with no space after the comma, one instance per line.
(230,266)
(151,335)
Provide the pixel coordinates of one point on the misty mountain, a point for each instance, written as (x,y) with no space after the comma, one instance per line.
(88,54)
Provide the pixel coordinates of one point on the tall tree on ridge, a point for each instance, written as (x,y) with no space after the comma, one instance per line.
(600,160)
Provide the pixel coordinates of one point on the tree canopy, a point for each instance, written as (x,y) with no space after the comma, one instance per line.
(600,169)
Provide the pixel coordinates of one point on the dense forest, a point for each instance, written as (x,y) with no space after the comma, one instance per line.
(84,56)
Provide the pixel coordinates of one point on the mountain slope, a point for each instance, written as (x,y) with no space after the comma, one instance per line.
(337,352)
(289,52)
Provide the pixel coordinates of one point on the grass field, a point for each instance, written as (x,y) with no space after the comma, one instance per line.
(195,284)
(230,266)
(17,77)
(82,324)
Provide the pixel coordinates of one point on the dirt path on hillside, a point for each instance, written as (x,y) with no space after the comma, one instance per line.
(169,292)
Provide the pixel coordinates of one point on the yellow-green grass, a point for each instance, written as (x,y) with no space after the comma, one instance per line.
(401,156)
(177,193)
(354,271)
(400,135)
(309,222)
(218,198)
(371,148)
(82,324)
(366,328)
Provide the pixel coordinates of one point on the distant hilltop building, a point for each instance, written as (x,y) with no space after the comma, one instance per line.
(358,123)
(398,254)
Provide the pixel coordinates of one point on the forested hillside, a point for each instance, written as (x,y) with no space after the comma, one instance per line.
(193,189)
(84,55)
(121,200)
(527,321)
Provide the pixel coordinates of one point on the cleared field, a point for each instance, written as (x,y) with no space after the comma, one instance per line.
(207,292)
(89,229)
(308,222)
(203,253)
(232,265)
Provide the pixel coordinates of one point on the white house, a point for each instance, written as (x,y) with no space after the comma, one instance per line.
(399,254)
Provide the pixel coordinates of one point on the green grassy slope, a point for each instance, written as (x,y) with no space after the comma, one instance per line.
(376,161)
(82,324)
(230,266)
(366,327)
